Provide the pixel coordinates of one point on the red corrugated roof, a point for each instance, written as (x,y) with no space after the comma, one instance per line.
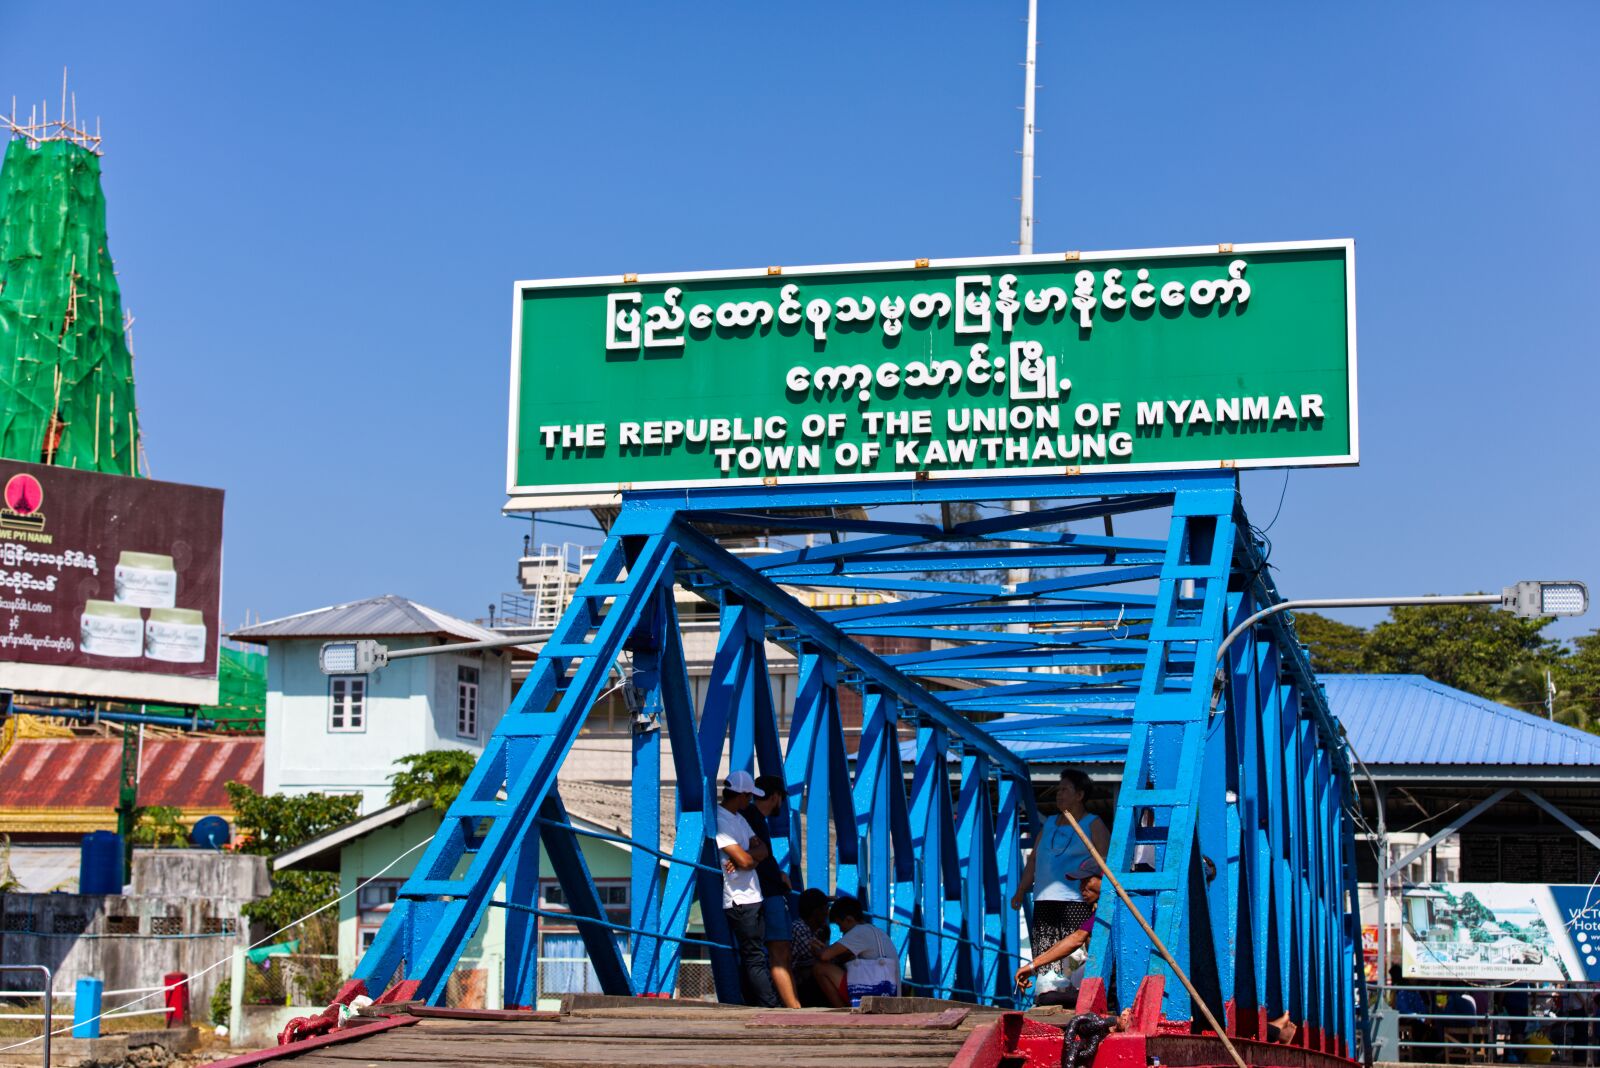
(186,773)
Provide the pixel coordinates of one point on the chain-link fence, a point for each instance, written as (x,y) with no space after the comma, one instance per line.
(574,975)
(694,981)
(468,985)
(293,979)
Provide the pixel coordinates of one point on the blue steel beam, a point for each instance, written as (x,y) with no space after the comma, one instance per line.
(991,558)
(826,637)
(437,907)
(696,827)
(1229,773)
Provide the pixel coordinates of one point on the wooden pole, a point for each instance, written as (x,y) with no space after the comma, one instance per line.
(1194,995)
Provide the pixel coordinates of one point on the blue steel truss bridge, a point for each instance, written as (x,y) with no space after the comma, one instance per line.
(1042,635)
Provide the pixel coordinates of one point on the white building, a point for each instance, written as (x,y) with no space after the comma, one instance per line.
(342,734)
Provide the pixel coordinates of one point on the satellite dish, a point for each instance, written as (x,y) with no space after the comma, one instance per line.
(210,832)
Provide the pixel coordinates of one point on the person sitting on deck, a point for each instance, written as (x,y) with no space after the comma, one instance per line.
(808,934)
(774,891)
(863,962)
(741,889)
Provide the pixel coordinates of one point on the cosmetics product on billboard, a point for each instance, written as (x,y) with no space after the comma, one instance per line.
(147,579)
(176,635)
(111,629)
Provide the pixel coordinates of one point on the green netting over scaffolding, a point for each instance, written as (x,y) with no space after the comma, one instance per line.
(241,693)
(66,373)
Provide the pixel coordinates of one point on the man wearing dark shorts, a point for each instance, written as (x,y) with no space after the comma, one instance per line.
(775,913)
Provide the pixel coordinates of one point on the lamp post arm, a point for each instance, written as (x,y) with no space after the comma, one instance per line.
(462,647)
(1352,602)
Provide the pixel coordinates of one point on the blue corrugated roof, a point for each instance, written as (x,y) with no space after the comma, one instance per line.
(1410,719)
(1390,719)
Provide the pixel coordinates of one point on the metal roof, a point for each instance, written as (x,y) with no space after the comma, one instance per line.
(1410,719)
(81,773)
(322,852)
(1391,721)
(590,805)
(384,616)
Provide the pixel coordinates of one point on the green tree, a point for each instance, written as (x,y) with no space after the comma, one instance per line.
(1476,648)
(1335,648)
(9,882)
(158,825)
(1578,684)
(436,777)
(274,823)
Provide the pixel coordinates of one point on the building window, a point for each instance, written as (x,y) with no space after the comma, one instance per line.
(378,895)
(614,898)
(466,702)
(347,707)
(373,903)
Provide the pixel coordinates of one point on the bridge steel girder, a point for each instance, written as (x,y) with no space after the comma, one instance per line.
(1230,830)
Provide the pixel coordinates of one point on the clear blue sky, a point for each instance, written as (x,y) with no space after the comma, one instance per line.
(317,211)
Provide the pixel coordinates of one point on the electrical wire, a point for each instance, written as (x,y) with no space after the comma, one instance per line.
(1281,494)
(229,958)
(263,941)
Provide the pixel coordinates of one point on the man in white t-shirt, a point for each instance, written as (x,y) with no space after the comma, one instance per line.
(742,851)
(864,961)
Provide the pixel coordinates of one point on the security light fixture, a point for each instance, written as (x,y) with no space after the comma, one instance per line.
(1532,599)
(1527,599)
(361,657)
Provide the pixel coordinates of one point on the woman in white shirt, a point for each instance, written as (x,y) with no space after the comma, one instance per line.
(1059,864)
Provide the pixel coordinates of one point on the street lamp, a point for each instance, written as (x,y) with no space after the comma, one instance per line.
(363,656)
(1525,599)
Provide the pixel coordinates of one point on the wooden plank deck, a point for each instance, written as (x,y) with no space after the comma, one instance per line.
(625,1035)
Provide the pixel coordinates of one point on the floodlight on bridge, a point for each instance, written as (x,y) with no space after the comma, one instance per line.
(1531,599)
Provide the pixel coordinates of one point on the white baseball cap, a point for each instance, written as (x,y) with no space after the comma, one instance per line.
(740,782)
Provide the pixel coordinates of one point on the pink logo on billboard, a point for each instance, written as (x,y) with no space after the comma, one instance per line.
(24,494)
(23,498)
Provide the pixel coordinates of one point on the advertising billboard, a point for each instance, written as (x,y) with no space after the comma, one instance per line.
(1502,932)
(109,586)
(1137,360)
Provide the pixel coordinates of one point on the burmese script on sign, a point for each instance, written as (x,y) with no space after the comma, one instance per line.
(1168,360)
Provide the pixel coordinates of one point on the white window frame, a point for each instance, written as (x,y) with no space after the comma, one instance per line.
(616,896)
(467,694)
(353,700)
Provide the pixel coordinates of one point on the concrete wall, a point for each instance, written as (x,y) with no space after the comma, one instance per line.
(200,873)
(257,1026)
(132,941)
(410,708)
(494,695)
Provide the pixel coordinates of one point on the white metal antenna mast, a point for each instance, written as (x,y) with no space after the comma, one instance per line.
(1017,576)
(1025,238)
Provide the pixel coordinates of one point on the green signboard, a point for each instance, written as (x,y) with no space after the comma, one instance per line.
(1161,359)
